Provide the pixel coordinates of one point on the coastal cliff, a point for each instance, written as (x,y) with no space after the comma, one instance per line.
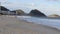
(37,13)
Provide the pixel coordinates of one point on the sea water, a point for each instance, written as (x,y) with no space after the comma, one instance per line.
(55,23)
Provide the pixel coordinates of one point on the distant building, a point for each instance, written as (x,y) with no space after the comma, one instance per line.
(12,13)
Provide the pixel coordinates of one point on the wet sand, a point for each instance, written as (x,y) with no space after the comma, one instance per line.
(11,25)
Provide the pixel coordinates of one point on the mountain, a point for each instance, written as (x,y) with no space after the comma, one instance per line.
(19,12)
(54,16)
(36,13)
(3,8)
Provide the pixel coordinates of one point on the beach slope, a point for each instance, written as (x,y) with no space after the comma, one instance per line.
(11,25)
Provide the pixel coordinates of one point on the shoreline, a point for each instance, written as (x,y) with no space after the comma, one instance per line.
(42,25)
(12,25)
(53,27)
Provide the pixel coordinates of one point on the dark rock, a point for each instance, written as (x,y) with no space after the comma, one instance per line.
(12,13)
(36,13)
(3,8)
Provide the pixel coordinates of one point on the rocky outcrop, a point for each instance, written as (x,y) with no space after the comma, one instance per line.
(36,13)
(19,12)
(3,8)
(54,16)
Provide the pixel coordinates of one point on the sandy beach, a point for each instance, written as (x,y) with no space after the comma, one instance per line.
(12,25)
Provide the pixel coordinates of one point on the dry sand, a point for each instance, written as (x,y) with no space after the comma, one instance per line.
(11,25)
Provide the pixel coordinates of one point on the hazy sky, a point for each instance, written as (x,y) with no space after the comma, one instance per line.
(46,6)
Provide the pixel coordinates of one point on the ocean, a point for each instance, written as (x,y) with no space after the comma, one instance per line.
(55,23)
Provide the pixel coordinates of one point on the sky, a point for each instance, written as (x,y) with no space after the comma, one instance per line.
(48,7)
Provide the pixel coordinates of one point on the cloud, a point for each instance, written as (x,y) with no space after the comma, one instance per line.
(3,1)
(17,5)
(52,0)
(20,4)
